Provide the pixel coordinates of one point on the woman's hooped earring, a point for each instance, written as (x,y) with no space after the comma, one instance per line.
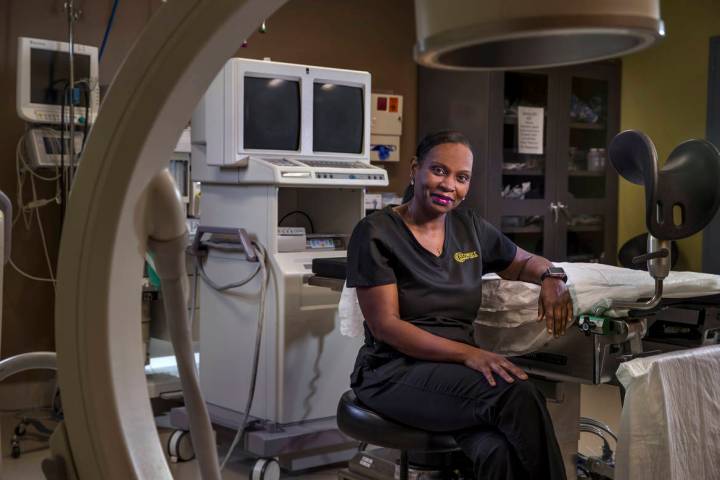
(412,180)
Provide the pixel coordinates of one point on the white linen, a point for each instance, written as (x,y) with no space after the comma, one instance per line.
(507,320)
(349,314)
(670,423)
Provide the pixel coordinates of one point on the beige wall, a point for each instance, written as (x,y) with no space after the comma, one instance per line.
(372,35)
(664,94)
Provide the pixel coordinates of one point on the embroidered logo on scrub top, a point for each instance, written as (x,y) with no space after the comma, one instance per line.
(461,257)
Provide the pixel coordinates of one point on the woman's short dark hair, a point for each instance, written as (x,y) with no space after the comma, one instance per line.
(430,141)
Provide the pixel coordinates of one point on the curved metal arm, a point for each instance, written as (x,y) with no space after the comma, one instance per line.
(650,304)
(598,424)
(658,263)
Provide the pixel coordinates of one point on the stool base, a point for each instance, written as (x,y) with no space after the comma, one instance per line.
(384,464)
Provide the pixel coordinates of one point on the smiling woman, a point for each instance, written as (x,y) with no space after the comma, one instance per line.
(442,138)
(417,268)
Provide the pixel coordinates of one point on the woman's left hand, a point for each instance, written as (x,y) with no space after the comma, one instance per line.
(555,306)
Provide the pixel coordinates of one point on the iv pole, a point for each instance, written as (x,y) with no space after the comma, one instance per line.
(72,16)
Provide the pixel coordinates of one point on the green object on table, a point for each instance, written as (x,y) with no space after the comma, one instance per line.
(153,277)
(595,324)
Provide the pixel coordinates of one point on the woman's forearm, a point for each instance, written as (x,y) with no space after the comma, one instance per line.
(534,268)
(526,267)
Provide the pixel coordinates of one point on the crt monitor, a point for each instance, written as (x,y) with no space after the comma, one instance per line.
(338,118)
(282,110)
(43,78)
(271,109)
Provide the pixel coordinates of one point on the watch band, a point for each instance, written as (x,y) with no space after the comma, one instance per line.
(559,273)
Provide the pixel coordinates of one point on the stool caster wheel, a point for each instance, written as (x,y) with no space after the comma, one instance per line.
(15,451)
(179,446)
(265,469)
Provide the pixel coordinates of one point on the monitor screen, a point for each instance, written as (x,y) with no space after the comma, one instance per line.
(272,114)
(50,75)
(338,118)
(53,145)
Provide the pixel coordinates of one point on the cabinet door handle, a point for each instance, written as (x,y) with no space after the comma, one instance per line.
(555,209)
(564,209)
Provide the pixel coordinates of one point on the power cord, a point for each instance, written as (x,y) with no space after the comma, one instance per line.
(262,269)
(107,30)
(262,255)
(27,210)
(200,268)
(299,212)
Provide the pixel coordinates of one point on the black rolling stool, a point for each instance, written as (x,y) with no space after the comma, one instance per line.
(359,422)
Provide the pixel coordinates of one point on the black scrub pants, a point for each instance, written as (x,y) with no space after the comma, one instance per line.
(505,430)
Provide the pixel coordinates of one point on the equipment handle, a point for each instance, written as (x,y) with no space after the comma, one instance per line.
(240,233)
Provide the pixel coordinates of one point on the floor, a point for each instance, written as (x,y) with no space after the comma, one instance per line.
(27,467)
(600,402)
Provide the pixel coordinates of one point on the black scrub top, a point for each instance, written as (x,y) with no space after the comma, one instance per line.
(440,294)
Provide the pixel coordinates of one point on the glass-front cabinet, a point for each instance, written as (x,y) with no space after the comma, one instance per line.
(519,181)
(523,168)
(587,199)
(541,172)
(550,187)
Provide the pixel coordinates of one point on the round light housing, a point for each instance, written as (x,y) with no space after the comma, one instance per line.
(526,34)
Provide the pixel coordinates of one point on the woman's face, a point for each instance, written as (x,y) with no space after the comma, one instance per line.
(443,178)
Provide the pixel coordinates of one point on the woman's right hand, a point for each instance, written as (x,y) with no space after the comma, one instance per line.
(487,362)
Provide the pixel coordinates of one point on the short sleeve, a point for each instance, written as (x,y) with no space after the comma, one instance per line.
(368,258)
(498,251)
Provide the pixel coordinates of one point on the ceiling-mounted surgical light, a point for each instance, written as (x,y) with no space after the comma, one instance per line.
(522,34)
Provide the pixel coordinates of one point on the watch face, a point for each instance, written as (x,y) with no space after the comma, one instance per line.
(556,271)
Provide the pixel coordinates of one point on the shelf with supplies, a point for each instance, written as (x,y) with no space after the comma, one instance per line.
(525,229)
(587,126)
(527,172)
(586,173)
(585,228)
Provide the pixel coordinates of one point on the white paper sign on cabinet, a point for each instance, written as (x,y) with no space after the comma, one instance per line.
(530,130)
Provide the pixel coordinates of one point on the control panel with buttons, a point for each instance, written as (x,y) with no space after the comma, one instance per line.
(350,176)
(54,118)
(312,171)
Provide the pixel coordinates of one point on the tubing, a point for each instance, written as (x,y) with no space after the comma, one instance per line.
(262,255)
(167,241)
(170,263)
(27,361)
